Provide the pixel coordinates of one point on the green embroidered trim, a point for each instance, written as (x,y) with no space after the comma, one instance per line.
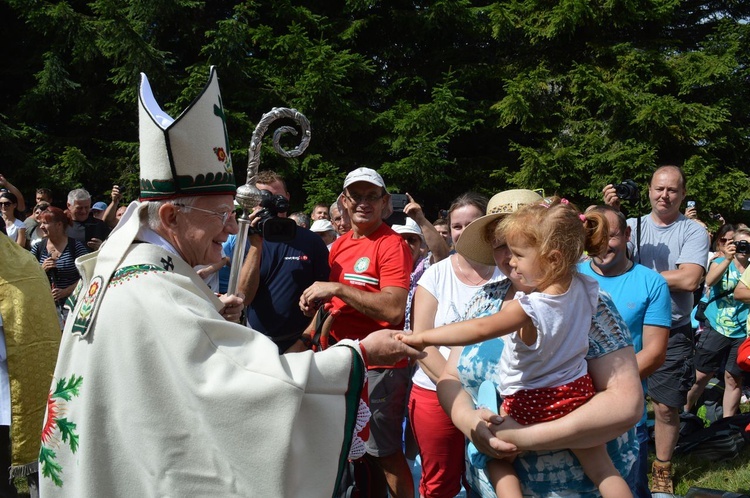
(352,397)
(57,430)
(83,316)
(211,182)
(127,273)
(73,297)
(220,181)
(82,320)
(156,188)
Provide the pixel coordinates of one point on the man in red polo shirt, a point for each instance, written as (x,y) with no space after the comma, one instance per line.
(368,287)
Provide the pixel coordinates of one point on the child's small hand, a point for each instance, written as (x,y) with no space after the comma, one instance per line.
(411,339)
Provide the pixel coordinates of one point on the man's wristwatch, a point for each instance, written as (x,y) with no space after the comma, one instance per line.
(306,341)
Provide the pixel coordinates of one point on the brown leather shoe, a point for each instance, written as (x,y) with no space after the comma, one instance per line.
(661,477)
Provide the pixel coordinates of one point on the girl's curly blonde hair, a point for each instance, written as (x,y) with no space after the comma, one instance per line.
(559,232)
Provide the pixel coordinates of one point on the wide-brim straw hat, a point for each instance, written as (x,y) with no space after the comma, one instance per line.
(472,244)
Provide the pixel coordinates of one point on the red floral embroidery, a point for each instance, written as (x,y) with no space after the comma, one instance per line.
(93,288)
(220,153)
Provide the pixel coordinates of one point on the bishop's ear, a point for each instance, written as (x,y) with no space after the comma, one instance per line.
(168,215)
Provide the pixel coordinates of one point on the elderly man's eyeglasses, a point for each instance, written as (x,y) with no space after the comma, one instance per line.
(223,215)
(359,199)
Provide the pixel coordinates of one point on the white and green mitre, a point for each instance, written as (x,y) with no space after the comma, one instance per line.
(183,157)
(188,155)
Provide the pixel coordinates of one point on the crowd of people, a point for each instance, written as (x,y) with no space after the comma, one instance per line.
(513,340)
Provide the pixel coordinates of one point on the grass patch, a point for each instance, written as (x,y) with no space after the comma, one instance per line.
(729,475)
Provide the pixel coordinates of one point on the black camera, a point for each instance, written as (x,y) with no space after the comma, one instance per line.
(627,190)
(742,246)
(398,217)
(270,226)
(715,216)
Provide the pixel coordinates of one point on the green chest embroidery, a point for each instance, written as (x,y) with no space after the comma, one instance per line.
(128,273)
(90,296)
(58,430)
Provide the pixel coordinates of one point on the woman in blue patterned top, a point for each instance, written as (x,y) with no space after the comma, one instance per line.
(726,320)
(546,467)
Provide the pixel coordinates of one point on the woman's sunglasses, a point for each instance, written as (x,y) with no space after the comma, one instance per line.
(6,204)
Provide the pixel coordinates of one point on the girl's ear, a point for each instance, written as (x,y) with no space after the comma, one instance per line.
(555,257)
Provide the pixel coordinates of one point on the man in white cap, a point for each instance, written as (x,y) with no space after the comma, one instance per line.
(156,392)
(418,232)
(367,291)
(325,230)
(412,235)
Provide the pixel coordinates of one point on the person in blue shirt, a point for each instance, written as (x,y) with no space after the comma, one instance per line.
(641,295)
(274,275)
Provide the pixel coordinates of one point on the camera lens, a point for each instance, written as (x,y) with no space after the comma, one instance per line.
(627,190)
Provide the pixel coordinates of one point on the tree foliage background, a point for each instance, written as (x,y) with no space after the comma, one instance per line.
(440,96)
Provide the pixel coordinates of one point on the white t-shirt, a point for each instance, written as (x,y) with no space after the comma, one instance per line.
(559,354)
(452,296)
(12,230)
(4,380)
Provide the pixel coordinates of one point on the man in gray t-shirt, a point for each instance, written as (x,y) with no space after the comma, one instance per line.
(667,247)
(677,248)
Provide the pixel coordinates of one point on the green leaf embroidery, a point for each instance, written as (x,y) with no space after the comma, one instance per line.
(67,390)
(50,468)
(67,430)
(64,390)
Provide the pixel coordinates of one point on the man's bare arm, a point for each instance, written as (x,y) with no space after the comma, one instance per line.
(435,242)
(388,305)
(686,278)
(654,351)
(249,277)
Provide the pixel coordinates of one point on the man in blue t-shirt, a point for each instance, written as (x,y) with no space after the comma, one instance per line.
(642,298)
(274,275)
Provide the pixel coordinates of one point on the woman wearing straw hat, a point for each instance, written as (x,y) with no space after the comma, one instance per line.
(546,468)
(442,292)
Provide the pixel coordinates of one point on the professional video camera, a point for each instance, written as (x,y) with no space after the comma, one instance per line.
(627,190)
(270,226)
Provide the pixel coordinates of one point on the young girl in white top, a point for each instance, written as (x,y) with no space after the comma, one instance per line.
(545,332)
